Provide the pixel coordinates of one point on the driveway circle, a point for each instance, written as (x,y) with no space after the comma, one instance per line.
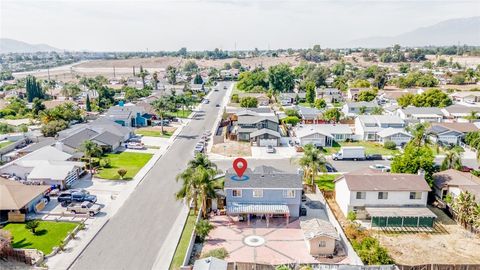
(254,241)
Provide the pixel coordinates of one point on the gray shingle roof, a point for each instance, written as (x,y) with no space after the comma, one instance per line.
(75,140)
(265,131)
(422,110)
(108,138)
(253,119)
(265,177)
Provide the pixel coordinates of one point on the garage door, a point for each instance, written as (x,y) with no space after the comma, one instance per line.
(265,142)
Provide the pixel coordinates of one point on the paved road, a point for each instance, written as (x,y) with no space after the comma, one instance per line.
(133,237)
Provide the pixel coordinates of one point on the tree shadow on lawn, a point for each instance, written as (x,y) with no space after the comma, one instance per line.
(22,243)
(41,232)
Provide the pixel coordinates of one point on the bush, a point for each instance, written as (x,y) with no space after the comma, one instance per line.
(390,145)
(105,163)
(53,127)
(122,173)
(32,225)
(202,229)
(235,98)
(219,253)
(352,216)
(320,103)
(249,102)
(283,267)
(291,112)
(293,120)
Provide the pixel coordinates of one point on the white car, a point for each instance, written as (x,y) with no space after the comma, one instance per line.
(135,145)
(380,167)
(198,148)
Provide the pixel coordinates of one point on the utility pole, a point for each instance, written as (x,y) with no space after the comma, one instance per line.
(113,71)
(48,72)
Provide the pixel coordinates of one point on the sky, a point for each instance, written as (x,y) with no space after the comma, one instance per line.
(225,24)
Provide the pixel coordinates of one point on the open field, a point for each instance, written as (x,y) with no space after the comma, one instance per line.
(48,235)
(453,247)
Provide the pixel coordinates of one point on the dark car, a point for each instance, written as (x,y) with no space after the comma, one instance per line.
(65,198)
(374,157)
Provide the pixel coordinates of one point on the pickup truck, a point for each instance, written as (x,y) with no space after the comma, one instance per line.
(67,197)
(84,208)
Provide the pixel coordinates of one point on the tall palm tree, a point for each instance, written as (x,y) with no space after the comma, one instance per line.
(452,160)
(472,116)
(155,80)
(201,160)
(206,186)
(142,74)
(162,106)
(420,134)
(189,189)
(312,162)
(90,150)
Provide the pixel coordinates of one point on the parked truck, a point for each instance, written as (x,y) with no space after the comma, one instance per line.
(350,152)
(84,208)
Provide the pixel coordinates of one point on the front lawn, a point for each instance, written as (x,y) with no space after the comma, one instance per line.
(5,143)
(370,148)
(154,133)
(182,245)
(49,234)
(325,181)
(132,162)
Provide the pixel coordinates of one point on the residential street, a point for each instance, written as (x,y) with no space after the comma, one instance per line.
(134,237)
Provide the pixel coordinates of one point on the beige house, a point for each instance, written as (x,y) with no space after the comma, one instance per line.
(320,236)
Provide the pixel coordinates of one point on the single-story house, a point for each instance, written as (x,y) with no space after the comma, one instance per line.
(47,165)
(397,135)
(450,133)
(291,98)
(130,116)
(452,182)
(457,111)
(466,96)
(18,200)
(309,115)
(320,236)
(322,134)
(385,199)
(357,108)
(108,141)
(330,95)
(421,114)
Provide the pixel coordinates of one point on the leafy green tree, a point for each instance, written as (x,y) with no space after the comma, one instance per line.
(367,95)
(359,83)
(332,115)
(248,80)
(413,159)
(429,98)
(171,75)
(320,103)
(51,128)
(190,67)
(405,100)
(33,88)
(70,90)
(340,82)
(377,111)
(6,75)
(32,225)
(339,68)
(312,163)
(404,68)
(459,78)
(198,79)
(90,150)
(292,120)
(5,128)
(37,106)
(281,78)
(310,92)
(452,160)
(248,102)
(465,208)
(318,74)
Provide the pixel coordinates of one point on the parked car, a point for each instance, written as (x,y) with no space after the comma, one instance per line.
(380,167)
(270,149)
(374,157)
(218,105)
(350,152)
(466,169)
(84,208)
(135,145)
(199,147)
(216,89)
(206,101)
(67,197)
(224,87)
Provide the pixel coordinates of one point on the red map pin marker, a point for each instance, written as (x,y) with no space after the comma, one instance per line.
(239,165)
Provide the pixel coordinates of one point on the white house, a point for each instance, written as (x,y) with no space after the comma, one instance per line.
(457,111)
(450,133)
(47,164)
(421,114)
(470,97)
(386,199)
(367,127)
(322,134)
(397,135)
(452,182)
(356,108)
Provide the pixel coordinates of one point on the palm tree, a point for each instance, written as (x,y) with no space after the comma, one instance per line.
(420,134)
(377,111)
(155,80)
(312,162)
(472,116)
(452,160)
(143,73)
(90,150)
(162,106)
(189,189)
(206,186)
(201,160)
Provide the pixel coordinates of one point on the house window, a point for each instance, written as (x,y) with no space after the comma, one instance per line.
(257,193)
(361,195)
(237,193)
(415,195)
(322,244)
(289,193)
(382,195)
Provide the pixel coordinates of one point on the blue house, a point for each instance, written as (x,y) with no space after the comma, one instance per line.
(267,193)
(128,116)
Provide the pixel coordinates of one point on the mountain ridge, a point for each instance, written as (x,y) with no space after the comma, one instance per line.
(8,45)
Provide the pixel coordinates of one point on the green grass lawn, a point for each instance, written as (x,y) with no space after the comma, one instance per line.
(130,161)
(182,246)
(5,143)
(325,181)
(48,235)
(154,133)
(370,148)
(306,104)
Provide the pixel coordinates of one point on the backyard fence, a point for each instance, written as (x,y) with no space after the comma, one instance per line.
(440,267)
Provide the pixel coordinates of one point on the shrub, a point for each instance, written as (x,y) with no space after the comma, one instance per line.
(53,127)
(249,102)
(283,267)
(202,228)
(293,120)
(390,145)
(219,253)
(352,216)
(235,98)
(105,163)
(291,112)
(122,173)
(320,103)
(32,225)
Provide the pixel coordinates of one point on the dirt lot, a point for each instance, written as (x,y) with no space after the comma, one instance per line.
(454,246)
(233,149)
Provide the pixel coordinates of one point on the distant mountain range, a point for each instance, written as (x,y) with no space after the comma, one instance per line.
(14,46)
(449,32)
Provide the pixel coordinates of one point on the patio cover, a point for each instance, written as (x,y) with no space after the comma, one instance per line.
(400,212)
(251,208)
